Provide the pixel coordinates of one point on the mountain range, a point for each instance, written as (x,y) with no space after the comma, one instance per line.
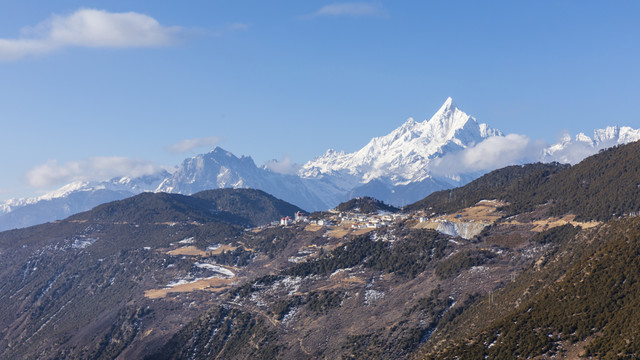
(549,271)
(411,162)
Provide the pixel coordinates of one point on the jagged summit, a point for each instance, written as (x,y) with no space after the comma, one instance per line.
(218,168)
(449,102)
(224,156)
(449,121)
(219,150)
(403,155)
(574,150)
(448,106)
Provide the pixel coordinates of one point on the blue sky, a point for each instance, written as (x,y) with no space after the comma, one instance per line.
(95,88)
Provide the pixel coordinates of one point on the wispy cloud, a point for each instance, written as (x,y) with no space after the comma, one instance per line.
(189,144)
(237,27)
(493,153)
(285,166)
(353,9)
(88,28)
(230,28)
(52,173)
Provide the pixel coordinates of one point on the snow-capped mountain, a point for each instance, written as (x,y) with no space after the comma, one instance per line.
(397,168)
(573,151)
(393,168)
(221,169)
(73,198)
(403,156)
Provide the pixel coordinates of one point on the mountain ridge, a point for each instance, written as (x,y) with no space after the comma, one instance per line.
(405,152)
(396,168)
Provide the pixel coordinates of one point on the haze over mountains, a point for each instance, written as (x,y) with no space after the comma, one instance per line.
(448,150)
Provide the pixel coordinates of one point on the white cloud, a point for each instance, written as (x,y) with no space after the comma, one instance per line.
(492,153)
(351,9)
(286,166)
(95,168)
(237,27)
(571,154)
(88,28)
(190,144)
(229,28)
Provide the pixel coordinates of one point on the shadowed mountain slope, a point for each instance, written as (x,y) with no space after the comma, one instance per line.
(600,187)
(76,289)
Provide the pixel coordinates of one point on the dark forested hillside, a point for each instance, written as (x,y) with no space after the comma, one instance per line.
(601,187)
(597,303)
(497,184)
(366,205)
(151,208)
(247,207)
(254,207)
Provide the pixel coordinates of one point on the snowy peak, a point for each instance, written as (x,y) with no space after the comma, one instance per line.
(451,123)
(607,137)
(615,135)
(628,134)
(581,137)
(449,103)
(449,117)
(222,156)
(403,155)
(610,133)
(448,107)
(222,169)
(218,168)
(572,151)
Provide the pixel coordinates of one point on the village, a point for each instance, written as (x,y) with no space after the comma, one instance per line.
(466,223)
(484,212)
(353,220)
